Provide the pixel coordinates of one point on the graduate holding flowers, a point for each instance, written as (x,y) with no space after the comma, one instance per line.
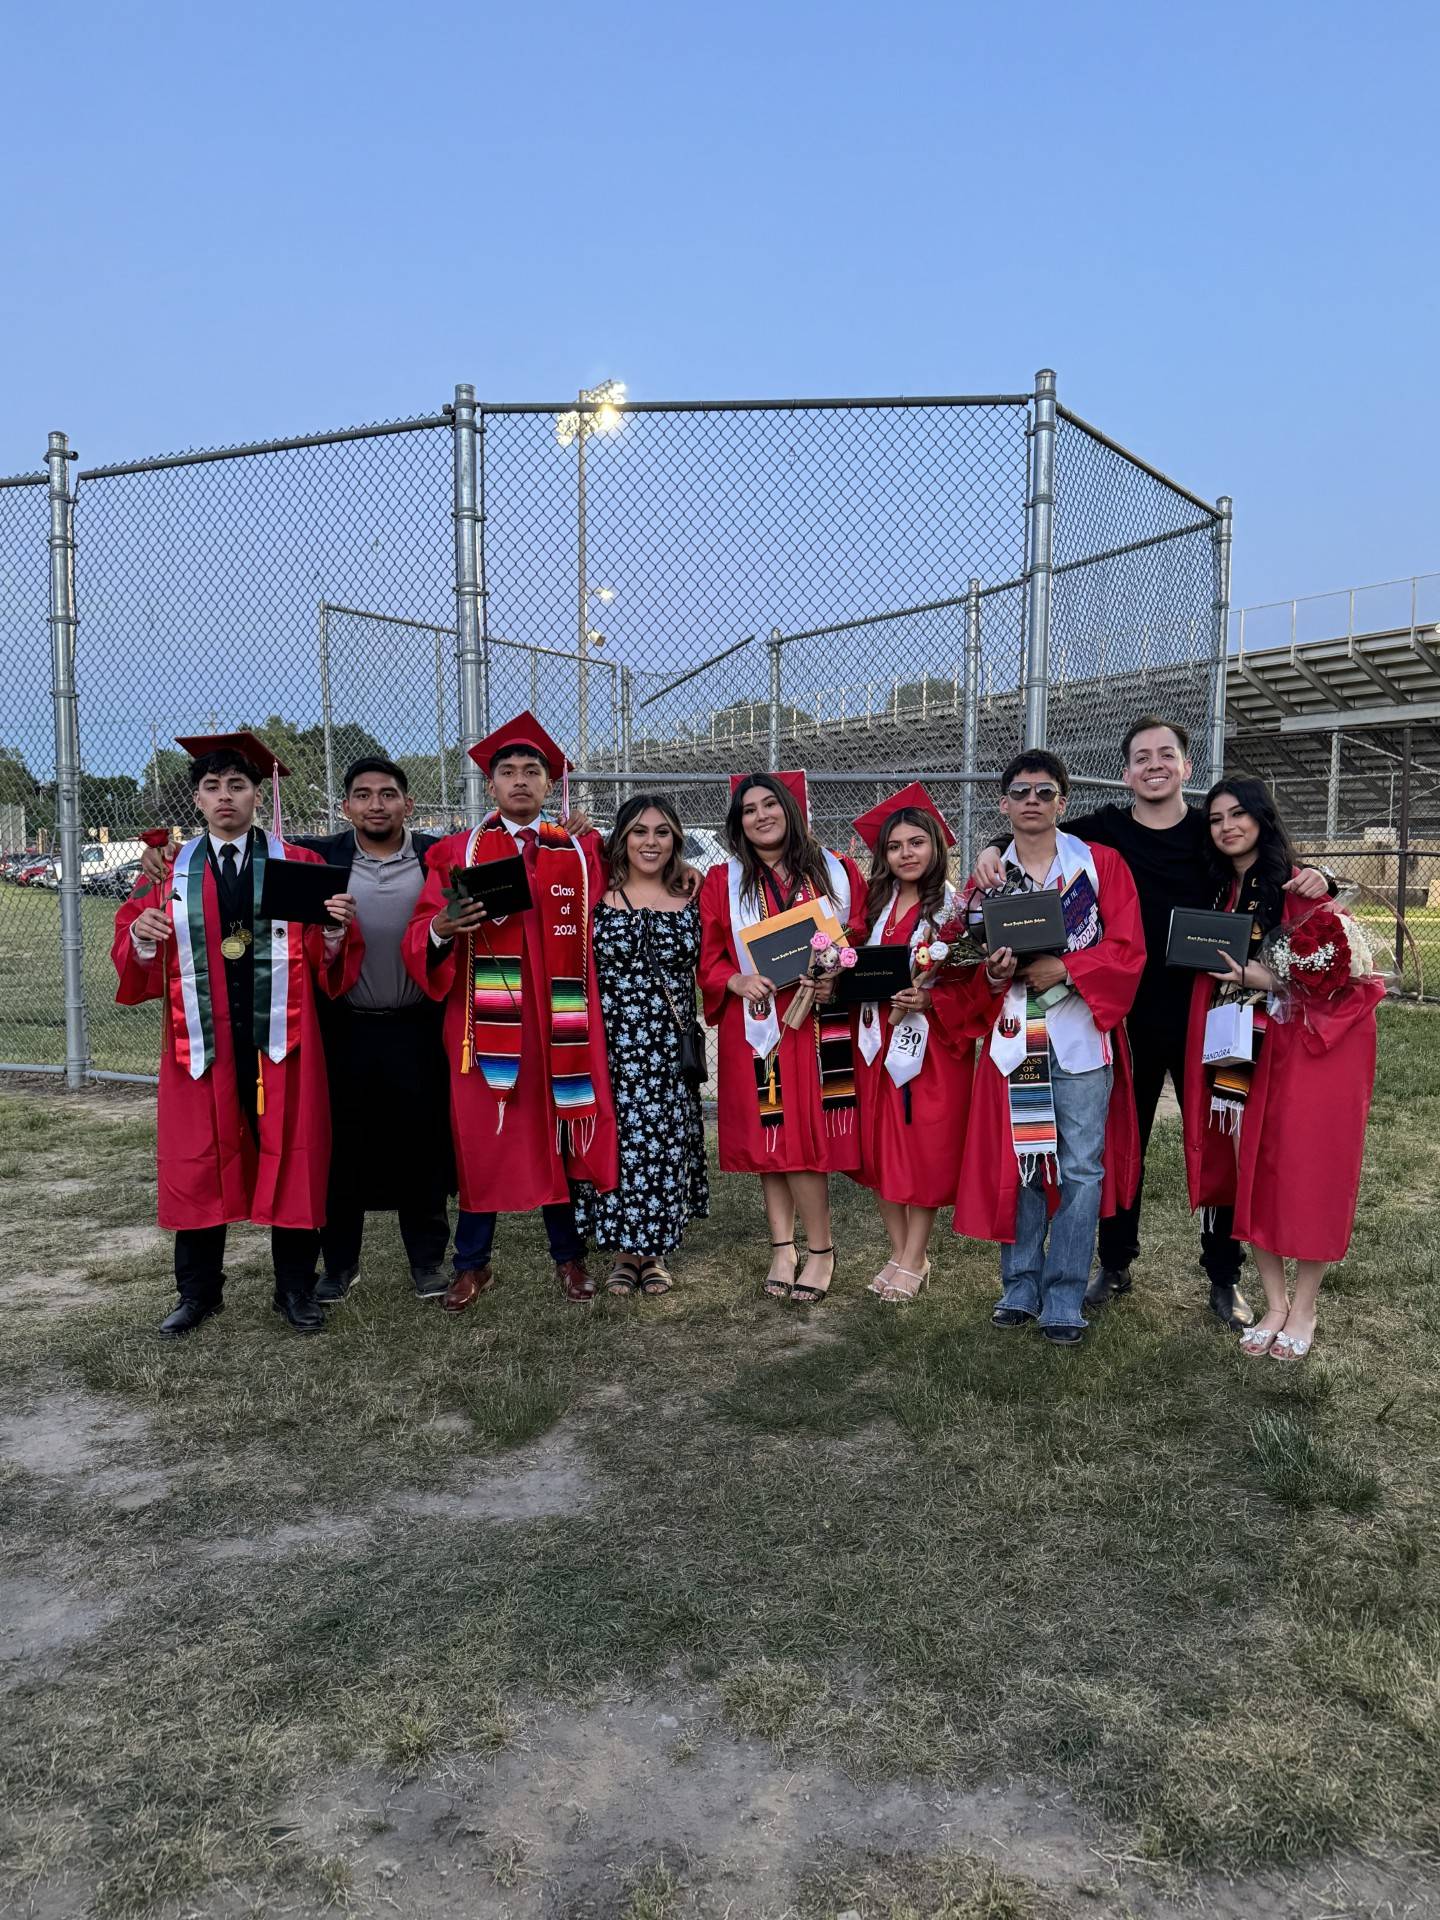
(1280,1135)
(914,1055)
(786,1095)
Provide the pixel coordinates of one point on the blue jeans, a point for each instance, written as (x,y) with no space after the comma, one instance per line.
(1049,1283)
(475,1235)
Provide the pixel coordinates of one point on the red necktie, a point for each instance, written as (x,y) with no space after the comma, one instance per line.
(529,846)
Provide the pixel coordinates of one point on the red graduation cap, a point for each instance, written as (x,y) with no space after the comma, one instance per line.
(248,745)
(870,825)
(523,731)
(794,780)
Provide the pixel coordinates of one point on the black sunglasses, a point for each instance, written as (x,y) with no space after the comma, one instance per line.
(1023,789)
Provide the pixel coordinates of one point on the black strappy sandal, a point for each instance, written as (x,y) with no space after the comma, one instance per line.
(779,1289)
(655,1277)
(802,1294)
(624,1277)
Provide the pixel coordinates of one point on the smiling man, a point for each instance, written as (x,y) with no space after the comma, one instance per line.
(1164,843)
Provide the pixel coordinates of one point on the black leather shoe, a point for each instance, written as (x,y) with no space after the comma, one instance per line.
(1008,1317)
(187,1317)
(431,1283)
(301,1311)
(1064,1336)
(334,1286)
(1107,1284)
(1230,1306)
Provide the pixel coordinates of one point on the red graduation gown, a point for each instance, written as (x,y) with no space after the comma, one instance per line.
(210,1170)
(915,1162)
(1106,976)
(802,1143)
(520,1166)
(1293,1172)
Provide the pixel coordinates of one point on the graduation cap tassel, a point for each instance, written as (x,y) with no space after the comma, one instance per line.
(275,805)
(260,1085)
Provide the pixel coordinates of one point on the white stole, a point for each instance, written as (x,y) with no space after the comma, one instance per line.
(910,1037)
(1007,1049)
(764,1035)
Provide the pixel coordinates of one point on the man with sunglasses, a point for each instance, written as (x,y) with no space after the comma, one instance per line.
(1051,1141)
(1165,843)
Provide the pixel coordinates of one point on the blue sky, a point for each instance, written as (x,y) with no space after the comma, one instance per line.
(1218,226)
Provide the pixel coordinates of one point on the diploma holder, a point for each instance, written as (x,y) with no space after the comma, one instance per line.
(1199,939)
(501,886)
(779,947)
(1025,922)
(298,890)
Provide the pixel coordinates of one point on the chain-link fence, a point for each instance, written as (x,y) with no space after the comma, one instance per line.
(872,589)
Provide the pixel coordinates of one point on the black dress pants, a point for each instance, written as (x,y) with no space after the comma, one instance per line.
(1158,1046)
(200,1261)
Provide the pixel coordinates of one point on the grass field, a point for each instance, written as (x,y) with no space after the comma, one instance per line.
(126,1039)
(706,1607)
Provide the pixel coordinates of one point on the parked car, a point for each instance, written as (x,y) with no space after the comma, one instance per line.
(117,884)
(104,856)
(34,873)
(703,849)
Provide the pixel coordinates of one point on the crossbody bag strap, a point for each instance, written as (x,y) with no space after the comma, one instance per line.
(650,962)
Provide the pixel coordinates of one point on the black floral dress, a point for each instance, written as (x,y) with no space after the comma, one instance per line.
(663,1178)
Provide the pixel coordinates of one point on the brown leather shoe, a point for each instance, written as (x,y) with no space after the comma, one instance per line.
(466,1285)
(575,1277)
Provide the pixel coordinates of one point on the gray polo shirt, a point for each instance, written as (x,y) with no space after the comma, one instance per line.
(385,893)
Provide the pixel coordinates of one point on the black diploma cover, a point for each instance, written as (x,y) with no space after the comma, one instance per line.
(1198,937)
(1025,922)
(502,885)
(298,890)
(879,973)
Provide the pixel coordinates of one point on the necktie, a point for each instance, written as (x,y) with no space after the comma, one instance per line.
(229,878)
(529,846)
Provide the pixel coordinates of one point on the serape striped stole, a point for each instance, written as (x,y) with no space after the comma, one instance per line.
(560,883)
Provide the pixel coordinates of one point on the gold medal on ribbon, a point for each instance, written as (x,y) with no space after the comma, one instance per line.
(235,942)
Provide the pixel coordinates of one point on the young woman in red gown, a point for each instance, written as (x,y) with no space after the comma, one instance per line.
(1282,1139)
(786,1099)
(913,1074)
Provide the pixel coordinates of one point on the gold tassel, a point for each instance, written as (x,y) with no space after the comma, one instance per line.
(770,1081)
(465,1055)
(260,1085)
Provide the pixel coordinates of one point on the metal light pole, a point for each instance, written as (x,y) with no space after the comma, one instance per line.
(1220,659)
(971,722)
(470,652)
(597,411)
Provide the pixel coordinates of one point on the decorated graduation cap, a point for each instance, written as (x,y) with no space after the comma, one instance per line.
(517,735)
(794,780)
(870,825)
(249,746)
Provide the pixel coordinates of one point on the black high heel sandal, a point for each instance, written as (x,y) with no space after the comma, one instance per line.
(803,1294)
(779,1289)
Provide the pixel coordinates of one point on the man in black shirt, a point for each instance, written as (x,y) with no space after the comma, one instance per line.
(1166,845)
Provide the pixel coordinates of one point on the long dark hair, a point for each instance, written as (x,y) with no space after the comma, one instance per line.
(1274,855)
(802,857)
(674,875)
(932,881)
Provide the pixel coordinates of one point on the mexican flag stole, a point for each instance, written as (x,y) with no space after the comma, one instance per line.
(279,964)
(497,985)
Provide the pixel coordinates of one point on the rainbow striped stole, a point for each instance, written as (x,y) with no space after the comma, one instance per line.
(1032,1099)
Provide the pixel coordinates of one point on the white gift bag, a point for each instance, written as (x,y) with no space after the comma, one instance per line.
(1229,1035)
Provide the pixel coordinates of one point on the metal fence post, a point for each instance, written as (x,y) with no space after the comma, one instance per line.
(470,661)
(440,726)
(627,726)
(67,759)
(773,643)
(1402,854)
(971,723)
(327,715)
(1221,655)
(1040,560)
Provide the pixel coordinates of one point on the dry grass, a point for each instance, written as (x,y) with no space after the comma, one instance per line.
(1199,1592)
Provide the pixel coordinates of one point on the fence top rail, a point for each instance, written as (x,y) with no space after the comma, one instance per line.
(296,443)
(1296,599)
(486,408)
(1207,507)
(895,613)
(387,619)
(691,672)
(26,480)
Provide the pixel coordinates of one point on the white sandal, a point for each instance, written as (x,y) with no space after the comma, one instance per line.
(1258,1340)
(894,1293)
(1287,1347)
(882,1279)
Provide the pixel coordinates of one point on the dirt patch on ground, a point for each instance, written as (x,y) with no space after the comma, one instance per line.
(71,1437)
(548,1480)
(47,1292)
(39,1623)
(571,1821)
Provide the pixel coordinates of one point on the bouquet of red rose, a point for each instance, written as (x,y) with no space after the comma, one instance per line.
(1319,955)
